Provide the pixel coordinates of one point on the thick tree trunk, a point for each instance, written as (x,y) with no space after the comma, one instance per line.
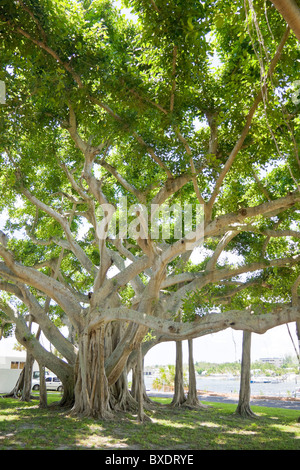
(192,397)
(140,383)
(43,389)
(243,407)
(23,385)
(148,403)
(117,360)
(24,382)
(134,382)
(298,337)
(298,351)
(91,388)
(67,399)
(179,397)
(120,397)
(26,392)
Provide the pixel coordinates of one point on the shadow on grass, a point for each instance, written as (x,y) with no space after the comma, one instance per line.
(26,426)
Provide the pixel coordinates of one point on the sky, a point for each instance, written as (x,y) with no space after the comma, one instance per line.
(224,346)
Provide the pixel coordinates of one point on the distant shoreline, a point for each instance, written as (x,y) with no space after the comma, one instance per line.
(204,393)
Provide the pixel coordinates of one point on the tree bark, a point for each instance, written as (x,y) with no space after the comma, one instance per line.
(120,397)
(298,336)
(148,403)
(243,408)
(24,382)
(26,392)
(192,397)
(140,383)
(291,13)
(91,388)
(43,389)
(179,397)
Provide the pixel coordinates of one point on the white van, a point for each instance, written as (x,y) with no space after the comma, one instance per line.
(52,383)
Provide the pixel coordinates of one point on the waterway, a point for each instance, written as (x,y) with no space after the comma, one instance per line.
(287,388)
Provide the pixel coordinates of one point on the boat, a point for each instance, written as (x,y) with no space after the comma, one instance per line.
(266,380)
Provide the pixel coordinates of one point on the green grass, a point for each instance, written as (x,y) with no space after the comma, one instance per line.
(26,426)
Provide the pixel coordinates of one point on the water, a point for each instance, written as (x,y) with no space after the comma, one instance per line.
(225,385)
(281,389)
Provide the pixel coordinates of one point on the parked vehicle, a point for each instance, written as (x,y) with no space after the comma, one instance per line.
(52,383)
(36,374)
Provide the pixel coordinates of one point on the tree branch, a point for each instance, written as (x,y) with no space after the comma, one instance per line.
(173,79)
(290,12)
(200,280)
(32,344)
(51,332)
(15,272)
(218,251)
(75,247)
(249,118)
(132,189)
(175,331)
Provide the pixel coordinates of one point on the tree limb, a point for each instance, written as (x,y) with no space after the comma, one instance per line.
(247,125)
(290,12)
(175,331)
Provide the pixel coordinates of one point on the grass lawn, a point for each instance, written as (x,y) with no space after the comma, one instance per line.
(24,426)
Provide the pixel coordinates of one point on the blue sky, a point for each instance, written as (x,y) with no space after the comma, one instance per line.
(224,346)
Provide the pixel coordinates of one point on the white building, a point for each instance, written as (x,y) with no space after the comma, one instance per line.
(276,361)
(10,369)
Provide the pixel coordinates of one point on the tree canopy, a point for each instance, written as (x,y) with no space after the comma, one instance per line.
(183,117)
